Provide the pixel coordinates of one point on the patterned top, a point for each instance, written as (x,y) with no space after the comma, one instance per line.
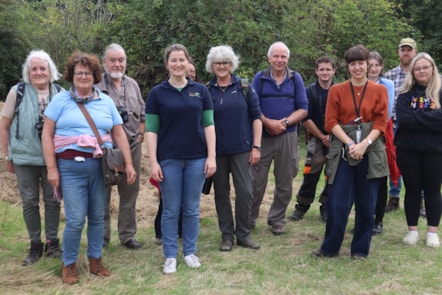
(397,75)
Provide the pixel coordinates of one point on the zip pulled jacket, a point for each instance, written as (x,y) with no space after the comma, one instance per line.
(234,114)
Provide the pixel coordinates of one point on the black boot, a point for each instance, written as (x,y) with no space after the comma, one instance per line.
(35,253)
(52,248)
(299,212)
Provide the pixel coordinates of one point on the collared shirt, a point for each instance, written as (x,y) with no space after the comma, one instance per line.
(127,100)
(397,75)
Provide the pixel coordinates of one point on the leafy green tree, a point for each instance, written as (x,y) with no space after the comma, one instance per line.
(68,25)
(425,16)
(13,45)
(310,28)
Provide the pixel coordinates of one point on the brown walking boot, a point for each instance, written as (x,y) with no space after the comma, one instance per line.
(393,204)
(69,274)
(97,268)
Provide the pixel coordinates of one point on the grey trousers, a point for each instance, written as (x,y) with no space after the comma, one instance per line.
(128,194)
(29,180)
(238,166)
(282,150)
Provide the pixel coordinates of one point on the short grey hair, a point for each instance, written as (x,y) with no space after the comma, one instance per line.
(222,53)
(41,54)
(113,46)
(269,53)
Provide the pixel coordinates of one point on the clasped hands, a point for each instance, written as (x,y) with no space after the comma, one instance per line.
(357,150)
(275,127)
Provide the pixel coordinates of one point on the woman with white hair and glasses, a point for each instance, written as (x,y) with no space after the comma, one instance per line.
(20,130)
(419,146)
(238,145)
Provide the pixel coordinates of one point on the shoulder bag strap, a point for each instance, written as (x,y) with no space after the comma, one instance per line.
(91,123)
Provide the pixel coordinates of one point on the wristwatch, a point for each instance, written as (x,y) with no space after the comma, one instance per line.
(258,147)
(286,122)
(369,141)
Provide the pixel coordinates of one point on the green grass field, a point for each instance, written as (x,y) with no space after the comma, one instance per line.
(283,265)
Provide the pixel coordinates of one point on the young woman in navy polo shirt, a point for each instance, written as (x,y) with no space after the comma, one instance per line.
(181,143)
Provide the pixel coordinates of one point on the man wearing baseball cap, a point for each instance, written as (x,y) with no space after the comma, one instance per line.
(407,51)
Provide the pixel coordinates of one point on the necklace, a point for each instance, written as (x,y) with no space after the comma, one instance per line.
(358,89)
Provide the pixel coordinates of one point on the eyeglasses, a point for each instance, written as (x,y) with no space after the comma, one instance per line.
(81,74)
(424,68)
(224,63)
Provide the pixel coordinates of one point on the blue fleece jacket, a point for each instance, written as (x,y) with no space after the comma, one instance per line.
(279,101)
(234,114)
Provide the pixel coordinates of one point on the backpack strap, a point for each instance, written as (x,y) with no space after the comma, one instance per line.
(261,85)
(57,86)
(245,86)
(18,100)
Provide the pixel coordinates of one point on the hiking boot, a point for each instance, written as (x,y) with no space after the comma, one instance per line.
(377,229)
(52,249)
(250,244)
(299,212)
(35,253)
(278,229)
(226,245)
(158,241)
(69,274)
(318,253)
(393,204)
(323,213)
(96,267)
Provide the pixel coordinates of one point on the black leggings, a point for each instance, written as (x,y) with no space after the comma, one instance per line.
(421,171)
(381,202)
(158,233)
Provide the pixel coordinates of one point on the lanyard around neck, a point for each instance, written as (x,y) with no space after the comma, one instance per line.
(357,108)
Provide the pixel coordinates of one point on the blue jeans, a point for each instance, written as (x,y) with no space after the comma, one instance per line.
(181,190)
(395,190)
(350,186)
(84,194)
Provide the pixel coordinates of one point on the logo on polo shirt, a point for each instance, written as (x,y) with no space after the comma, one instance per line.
(195,94)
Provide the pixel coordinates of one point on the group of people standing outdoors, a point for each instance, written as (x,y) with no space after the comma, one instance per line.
(225,129)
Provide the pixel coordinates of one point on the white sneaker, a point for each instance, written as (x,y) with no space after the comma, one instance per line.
(433,241)
(411,238)
(169,266)
(192,261)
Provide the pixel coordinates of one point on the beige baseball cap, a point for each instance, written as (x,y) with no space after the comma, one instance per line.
(408,42)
